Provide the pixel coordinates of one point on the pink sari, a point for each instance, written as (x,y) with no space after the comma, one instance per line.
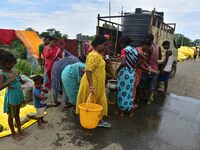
(138,73)
(51,54)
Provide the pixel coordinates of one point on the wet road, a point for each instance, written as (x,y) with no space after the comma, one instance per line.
(168,123)
(171,123)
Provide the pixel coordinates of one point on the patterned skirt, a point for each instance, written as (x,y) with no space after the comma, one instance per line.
(125,86)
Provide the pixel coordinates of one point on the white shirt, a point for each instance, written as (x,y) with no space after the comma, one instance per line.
(168,66)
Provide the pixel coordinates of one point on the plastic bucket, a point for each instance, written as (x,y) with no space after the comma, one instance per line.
(90,114)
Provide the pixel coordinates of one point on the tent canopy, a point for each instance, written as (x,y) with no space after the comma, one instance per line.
(30,39)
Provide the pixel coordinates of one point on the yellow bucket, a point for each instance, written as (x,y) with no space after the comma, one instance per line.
(90,114)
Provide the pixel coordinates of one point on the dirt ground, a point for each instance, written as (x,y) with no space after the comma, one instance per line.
(64,132)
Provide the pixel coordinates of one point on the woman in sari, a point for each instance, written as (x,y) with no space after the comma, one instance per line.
(126,76)
(57,69)
(93,81)
(51,54)
(71,77)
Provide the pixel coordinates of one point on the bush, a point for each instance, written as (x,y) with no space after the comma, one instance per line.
(18,49)
(23,66)
(38,71)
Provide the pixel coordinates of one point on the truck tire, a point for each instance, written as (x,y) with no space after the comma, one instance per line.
(173,71)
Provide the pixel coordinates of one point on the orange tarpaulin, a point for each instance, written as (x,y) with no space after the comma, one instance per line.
(31,41)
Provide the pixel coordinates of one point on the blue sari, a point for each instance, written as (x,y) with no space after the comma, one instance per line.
(71,77)
(57,69)
(126,80)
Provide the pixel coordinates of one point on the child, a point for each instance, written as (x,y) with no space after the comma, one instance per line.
(39,99)
(166,68)
(14,96)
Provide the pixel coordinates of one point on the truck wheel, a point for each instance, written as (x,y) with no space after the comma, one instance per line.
(173,72)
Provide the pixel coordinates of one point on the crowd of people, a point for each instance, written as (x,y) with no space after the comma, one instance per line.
(78,78)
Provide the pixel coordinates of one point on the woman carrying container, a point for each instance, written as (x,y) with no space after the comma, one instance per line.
(126,76)
(93,81)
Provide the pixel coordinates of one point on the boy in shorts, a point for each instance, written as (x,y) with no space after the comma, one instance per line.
(39,99)
(166,68)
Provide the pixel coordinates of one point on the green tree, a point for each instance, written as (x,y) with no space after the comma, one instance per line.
(23,66)
(44,34)
(31,29)
(196,42)
(65,36)
(91,38)
(106,25)
(181,40)
(18,49)
(82,37)
(53,32)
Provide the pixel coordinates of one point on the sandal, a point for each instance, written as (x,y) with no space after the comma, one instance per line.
(68,105)
(57,103)
(74,111)
(104,124)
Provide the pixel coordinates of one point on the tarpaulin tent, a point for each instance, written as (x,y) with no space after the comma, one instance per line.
(4,117)
(181,56)
(185,52)
(30,39)
(7,36)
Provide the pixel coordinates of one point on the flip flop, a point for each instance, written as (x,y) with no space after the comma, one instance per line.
(57,103)
(68,105)
(104,125)
(74,111)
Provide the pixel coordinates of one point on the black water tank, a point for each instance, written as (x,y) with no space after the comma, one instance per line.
(136,26)
(138,10)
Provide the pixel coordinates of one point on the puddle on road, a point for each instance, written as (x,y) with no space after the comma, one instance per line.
(168,123)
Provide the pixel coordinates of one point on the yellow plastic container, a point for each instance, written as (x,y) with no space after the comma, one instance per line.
(90,114)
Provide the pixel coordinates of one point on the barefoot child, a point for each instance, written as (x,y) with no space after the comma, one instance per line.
(166,68)
(14,96)
(39,99)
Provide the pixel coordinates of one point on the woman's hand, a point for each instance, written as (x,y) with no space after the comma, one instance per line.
(89,77)
(92,90)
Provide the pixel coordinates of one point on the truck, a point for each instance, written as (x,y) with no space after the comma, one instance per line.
(137,25)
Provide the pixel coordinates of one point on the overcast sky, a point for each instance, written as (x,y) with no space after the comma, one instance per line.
(79,16)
